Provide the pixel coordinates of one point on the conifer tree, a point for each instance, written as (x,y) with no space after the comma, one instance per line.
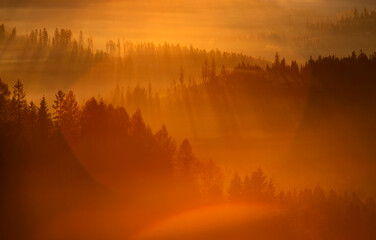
(187,164)
(4,100)
(235,188)
(58,106)
(70,115)
(43,118)
(19,104)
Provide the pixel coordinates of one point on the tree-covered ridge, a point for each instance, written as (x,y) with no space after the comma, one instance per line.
(275,95)
(361,22)
(47,55)
(61,156)
(110,130)
(74,154)
(333,95)
(54,159)
(323,214)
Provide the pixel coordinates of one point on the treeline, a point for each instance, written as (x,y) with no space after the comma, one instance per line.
(355,22)
(357,64)
(56,158)
(310,213)
(275,95)
(98,131)
(332,95)
(327,70)
(338,104)
(47,55)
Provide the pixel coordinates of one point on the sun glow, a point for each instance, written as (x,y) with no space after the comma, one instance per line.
(189,119)
(211,222)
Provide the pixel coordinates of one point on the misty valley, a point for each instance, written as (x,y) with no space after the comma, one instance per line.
(151,139)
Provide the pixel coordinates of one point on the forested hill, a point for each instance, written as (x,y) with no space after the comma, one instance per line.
(323,107)
(93,170)
(47,61)
(334,125)
(55,160)
(338,130)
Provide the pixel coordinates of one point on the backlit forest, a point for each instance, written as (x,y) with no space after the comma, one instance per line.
(67,162)
(58,59)
(198,120)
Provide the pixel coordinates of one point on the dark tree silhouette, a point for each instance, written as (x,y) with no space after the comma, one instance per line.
(19,104)
(4,100)
(235,189)
(70,115)
(58,106)
(44,122)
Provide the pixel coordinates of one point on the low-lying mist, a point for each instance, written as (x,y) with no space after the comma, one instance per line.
(212,119)
(258,28)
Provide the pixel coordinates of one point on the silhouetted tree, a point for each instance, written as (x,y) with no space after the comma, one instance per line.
(181,77)
(205,71)
(43,118)
(18,102)
(223,71)
(32,115)
(58,106)
(69,114)
(211,181)
(4,101)
(166,142)
(235,189)
(247,188)
(2,32)
(276,60)
(137,124)
(258,184)
(283,63)
(212,71)
(186,162)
